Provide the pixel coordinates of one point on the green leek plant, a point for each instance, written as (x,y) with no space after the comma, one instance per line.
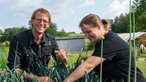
(56,71)
(132,44)
(101,55)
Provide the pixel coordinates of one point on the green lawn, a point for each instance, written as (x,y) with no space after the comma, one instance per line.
(3,56)
(73,57)
(142,67)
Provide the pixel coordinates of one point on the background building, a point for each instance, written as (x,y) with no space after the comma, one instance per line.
(71,43)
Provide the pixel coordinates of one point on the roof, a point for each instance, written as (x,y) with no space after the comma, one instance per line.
(126,36)
(69,38)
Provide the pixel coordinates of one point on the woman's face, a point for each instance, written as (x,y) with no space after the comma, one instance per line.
(40,23)
(92,33)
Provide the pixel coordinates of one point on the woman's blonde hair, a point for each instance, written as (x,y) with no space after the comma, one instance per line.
(92,20)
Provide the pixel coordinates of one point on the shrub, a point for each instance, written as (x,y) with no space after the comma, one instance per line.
(90,46)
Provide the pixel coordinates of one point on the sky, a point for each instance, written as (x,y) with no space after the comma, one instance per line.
(67,14)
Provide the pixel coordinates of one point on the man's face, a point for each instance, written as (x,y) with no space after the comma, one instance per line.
(92,33)
(40,23)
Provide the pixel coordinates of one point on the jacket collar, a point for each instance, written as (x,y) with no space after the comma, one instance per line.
(33,41)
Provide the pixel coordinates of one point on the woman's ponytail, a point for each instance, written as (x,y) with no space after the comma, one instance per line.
(105,24)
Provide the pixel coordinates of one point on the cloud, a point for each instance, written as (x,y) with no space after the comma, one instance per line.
(62,11)
(87,3)
(116,8)
(59,9)
(23,7)
(68,8)
(2,1)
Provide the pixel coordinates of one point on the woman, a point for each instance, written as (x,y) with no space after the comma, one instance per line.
(115,53)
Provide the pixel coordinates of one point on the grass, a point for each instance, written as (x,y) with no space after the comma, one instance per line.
(141,64)
(142,67)
(3,56)
(72,59)
(75,34)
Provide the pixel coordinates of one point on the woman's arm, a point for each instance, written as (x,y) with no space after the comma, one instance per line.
(87,65)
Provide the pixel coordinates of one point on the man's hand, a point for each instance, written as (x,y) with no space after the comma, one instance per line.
(30,76)
(63,54)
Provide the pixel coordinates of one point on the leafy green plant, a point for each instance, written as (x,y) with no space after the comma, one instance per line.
(3,60)
(57,72)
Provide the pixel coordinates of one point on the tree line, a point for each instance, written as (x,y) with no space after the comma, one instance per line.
(138,11)
(10,32)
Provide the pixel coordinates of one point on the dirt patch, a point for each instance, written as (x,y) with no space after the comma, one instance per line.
(141,59)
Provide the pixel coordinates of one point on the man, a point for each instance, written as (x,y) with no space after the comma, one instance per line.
(111,51)
(32,48)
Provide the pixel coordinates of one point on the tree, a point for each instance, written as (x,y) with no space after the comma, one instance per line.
(10,32)
(61,33)
(52,29)
(111,21)
(120,23)
(140,14)
(1,32)
(141,6)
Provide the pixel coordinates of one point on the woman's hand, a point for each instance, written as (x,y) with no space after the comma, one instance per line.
(44,79)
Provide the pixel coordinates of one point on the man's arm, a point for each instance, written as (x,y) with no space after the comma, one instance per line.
(14,53)
(87,65)
(31,76)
